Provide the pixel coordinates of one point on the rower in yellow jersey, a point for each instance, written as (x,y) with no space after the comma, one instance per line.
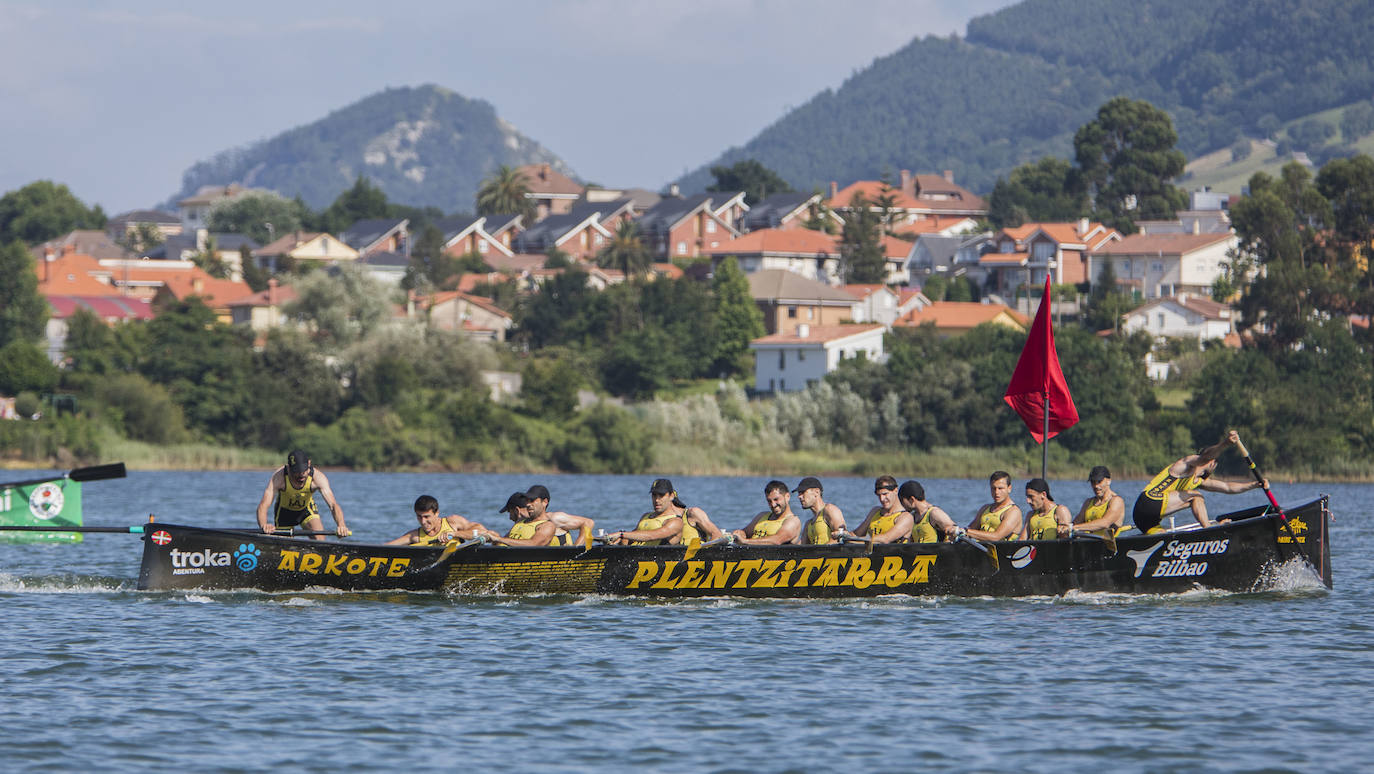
(1047,519)
(777,525)
(528,529)
(827,520)
(1175,487)
(1104,512)
(671,521)
(564,523)
(929,521)
(293,485)
(1001,518)
(889,522)
(435,529)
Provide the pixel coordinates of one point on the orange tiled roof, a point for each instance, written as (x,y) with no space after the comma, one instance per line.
(872,189)
(72,275)
(283,294)
(542,178)
(959,314)
(669,270)
(1166,244)
(802,241)
(861,290)
(818,334)
(197,282)
(895,247)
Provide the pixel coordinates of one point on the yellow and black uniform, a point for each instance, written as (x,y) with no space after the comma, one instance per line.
(922,531)
(766,527)
(1149,506)
(884,523)
(689,532)
(1042,526)
(991,521)
(1095,511)
(444,535)
(564,539)
(649,522)
(296,505)
(818,531)
(524,530)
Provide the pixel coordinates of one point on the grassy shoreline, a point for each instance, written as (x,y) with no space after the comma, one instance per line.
(681,460)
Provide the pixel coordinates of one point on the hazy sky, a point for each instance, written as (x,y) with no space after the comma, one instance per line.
(118,99)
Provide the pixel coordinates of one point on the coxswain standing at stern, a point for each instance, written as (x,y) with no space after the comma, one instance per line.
(293,485)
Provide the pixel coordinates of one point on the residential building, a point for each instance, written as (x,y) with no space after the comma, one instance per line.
(788,300)
(729,206)
(1214,221)
(916,197)
(89,242)
(386,267)
(782,211)
(679,227)
(577,232)
(811,254)
(122,225)
(299,246)
(955,318)
(789,361)
(378,235)
(553,192)
(1022,255)
(465,234)
(179,286)
(195,209)
(262,311)
(1159,265)
(109,308)
(1182,316)
(476,317)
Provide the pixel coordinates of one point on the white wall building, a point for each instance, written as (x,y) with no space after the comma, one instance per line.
(1182,316)
(788,362)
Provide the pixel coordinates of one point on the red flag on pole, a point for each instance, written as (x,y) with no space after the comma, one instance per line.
(1038,380)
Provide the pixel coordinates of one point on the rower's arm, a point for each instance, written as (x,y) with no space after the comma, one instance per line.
(791,527)
(834,517)
(542,537)
(463,528)
(567,521)
(405,539)
(665,532)
(322,484)
(704,523)
(1009,529)
(941,520)
(901,528)
(863,526)
(742,535)
(1115,515)
(265,504)
(1229,487)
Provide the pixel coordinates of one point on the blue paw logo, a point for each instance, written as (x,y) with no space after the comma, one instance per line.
(246,558)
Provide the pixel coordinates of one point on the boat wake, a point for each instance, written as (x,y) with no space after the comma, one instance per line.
(1294,575)
(62,584)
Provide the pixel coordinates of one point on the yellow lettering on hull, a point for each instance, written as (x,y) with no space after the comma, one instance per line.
(854,572)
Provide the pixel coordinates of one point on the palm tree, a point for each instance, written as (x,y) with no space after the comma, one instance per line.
(506,193)
(625,251)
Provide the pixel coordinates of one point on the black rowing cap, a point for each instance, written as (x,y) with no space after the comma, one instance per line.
(661,486)
(297,462)
(537,492)
(810,482)
(517,500)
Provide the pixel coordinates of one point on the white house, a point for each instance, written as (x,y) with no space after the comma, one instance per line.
(788,362)
(1185,315)
(1162,265)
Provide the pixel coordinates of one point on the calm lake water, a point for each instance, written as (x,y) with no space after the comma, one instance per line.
(101,677)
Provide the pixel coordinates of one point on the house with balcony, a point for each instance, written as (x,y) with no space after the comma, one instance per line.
(1021,256)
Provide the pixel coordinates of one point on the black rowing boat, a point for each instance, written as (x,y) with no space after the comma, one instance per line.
(1241,554)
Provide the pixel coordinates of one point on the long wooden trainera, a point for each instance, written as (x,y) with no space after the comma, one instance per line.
(1238,556)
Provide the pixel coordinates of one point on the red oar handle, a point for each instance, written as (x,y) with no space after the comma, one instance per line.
(1260,478)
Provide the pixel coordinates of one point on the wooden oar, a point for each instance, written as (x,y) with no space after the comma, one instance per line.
(92,473)
(1283,517)
(137,529)
(452,548)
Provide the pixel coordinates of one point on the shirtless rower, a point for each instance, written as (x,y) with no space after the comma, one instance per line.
(929,521)
(670,521)
(564,523)
(1104,512)
(1176,487)
(775,526)
(999,519)
(827,521)
(889,522)
(435,528)
(294,485)
(1047,518)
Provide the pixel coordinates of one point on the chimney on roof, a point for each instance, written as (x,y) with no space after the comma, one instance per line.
(1082,226)
(1197,225)
(803,330)
(949,176)
(674,191)
(834,189)
(906,182)
(197,284)
(545,171)
(272,291)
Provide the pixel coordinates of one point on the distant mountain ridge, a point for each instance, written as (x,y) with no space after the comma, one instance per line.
(1026,77)
(422,145)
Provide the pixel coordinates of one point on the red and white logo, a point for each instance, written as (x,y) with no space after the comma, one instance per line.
(1023,556)
(161,537)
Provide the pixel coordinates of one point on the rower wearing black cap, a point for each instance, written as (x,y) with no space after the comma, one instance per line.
(670,522)
(293,485)
(564,523)
(827,520)
(528,530)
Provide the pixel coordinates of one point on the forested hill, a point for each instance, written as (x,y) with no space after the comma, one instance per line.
(422,146)
(1024,78)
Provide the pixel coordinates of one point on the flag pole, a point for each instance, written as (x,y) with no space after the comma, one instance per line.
(1045,444)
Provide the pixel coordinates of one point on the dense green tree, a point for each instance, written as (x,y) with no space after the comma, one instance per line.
(23,366)
(626,251)
(754,179)
(551,315)
(141,237)
(23,310)
(548,388)
(1311,133)
(861,245)
(738,319)
(361,202)
(1045,191)
(254,276)
(506,192)
(143,410)
(44,210)
(260,215)
(340,308)
(204,364)
(1357,121)
(1127,158)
